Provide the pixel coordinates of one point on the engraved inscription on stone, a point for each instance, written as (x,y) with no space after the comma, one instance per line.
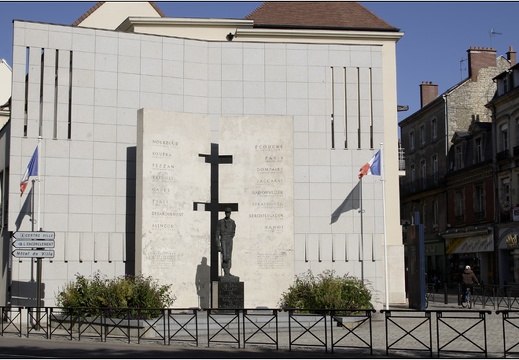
(271,260)
(162,259)
(230,295)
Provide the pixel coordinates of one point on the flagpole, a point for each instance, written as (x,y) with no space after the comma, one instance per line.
(39,222)
(361,252)
(39,267)
(382,170)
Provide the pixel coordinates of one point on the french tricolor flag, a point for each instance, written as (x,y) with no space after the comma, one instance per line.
(372,167)
(32,170)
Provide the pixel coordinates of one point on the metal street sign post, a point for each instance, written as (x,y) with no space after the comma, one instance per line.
(33,244)
(34,235)
(29,253)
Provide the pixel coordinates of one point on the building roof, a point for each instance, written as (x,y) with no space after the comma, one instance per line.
(100,3)
(343,15)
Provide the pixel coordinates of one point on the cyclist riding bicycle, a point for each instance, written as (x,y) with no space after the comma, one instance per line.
(469,280)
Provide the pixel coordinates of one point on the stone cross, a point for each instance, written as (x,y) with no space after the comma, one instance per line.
(215,206)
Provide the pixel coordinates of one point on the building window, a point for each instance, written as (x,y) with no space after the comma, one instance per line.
(411,140)
(459,206)
(435,168)
(434,129)
(516,128)
(435,214)
(503,137)
(504,197)
(479,202)
(423,170)
(478,148)
(413,177)
(515,186)
(458,161)
(424,213)
(422,135)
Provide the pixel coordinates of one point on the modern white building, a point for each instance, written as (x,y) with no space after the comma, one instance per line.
(78,90)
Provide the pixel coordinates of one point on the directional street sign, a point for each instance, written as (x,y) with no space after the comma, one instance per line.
(33,244)
(19,253)
(34,235)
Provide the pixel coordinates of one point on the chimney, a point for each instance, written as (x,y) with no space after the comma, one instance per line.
(480,58)
(428,92)
(511,56)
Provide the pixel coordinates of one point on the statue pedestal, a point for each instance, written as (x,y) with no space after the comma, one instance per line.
(228,293)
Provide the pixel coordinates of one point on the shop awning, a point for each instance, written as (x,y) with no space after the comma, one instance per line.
(470,244)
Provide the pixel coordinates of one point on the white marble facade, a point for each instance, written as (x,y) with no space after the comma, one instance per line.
(87,194)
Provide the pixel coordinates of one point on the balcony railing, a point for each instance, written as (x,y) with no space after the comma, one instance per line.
(479,215)
(503,155)
(401,159)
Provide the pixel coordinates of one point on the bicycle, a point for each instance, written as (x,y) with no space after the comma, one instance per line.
(466,299)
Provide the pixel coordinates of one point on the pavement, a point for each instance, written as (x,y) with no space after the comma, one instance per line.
(410,334)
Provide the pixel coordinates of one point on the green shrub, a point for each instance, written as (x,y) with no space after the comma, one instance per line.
(326,291)
(128,292)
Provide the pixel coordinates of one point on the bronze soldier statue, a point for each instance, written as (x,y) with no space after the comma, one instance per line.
(225,230)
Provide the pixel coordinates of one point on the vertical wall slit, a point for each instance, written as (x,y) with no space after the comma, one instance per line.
(371,108)
(345,111)
(69,135)
(358,109)
(56,93)
(332,110)
(42,72)
(26,105)
(306,248)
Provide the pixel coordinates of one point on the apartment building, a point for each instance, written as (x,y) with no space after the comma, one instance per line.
(505,113)
(427,137)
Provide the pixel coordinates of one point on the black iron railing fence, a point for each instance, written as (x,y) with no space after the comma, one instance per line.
(429,333)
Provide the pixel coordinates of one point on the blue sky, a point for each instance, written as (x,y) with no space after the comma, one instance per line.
(434,47)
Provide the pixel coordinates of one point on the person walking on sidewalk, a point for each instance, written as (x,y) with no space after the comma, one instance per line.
(469,280)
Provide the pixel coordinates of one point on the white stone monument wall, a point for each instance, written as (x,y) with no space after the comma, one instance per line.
(260,180)
(172,239)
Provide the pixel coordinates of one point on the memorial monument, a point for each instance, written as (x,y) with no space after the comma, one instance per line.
(185,181)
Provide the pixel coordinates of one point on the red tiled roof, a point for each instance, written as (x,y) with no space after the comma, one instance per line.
(98,4)
(317,15)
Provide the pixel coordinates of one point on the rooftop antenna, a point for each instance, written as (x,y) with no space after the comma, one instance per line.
(462,68)
(493,33)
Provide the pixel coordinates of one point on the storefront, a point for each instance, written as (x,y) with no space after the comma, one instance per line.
(508,254)
(474,248)
(435,263)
